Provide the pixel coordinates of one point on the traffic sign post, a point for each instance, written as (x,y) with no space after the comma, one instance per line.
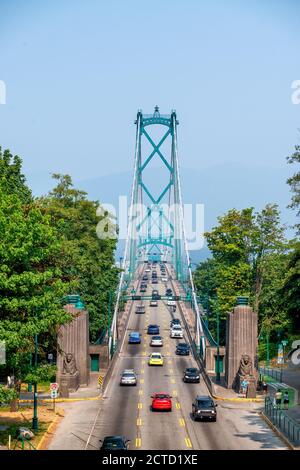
(54,392)
(100,380)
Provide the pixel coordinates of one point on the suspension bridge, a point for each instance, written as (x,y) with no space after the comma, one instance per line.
(156,230)
(157,288)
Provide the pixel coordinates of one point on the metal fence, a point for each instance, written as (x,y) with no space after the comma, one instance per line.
(288,427)
(275,373)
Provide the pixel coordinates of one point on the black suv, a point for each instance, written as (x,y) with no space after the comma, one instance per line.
(204,407)
(182,349)
(191,375)
(114,443)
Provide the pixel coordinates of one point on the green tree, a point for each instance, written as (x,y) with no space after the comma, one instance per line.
(12,181)
(85,258)
(294,183)
(249,258)
(31,284)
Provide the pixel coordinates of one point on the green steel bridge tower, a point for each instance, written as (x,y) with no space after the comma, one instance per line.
(156,222)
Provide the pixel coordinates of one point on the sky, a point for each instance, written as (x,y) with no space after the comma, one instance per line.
(76,72)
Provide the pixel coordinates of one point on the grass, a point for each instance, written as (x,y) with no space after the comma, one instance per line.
(42,387)
(23,417)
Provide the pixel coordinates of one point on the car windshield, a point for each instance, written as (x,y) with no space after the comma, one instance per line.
(191,371)
(156,355)
(128,374)
(158,338)
(176,327)
(116,443)
(135,335)
(205,403)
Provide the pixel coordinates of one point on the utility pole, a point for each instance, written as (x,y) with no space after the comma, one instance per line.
(268,348)
(218,376)
(35,422)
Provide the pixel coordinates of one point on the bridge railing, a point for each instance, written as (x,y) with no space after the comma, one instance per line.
(274,373)
(283,422)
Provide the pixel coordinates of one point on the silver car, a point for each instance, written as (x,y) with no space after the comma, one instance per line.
(156,341)
(128,377)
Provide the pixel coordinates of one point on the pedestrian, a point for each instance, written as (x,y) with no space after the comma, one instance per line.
(244,385)
(286,400)
(278,398)
(8,381)
(265,387)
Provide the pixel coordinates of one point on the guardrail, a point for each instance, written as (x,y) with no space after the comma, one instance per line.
(283,422)
(196,354)
(274,373)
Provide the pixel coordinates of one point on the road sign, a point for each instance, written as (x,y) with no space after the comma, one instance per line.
(54,386)
(284,342)
(280,354)
(54,394)
(100,380)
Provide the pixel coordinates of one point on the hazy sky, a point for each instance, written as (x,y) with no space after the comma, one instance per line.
(77,71)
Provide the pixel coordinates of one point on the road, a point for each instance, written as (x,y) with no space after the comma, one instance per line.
(126,410)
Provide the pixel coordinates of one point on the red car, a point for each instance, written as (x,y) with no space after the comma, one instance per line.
(161,401)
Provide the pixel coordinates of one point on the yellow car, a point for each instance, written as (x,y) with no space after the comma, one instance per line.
(155,359)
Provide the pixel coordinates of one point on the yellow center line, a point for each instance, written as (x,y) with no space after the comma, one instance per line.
(174,393)
(188,443)
(139,422)
(142,381)
(181,422)
(169,361)
(178,406)
(140,406)
(141,392)
(144,353)
(173,381)
(143,362)
(171,371)
(142,371)
(138,442)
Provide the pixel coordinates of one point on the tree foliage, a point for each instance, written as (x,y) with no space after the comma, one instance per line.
(249,259)
(31,282)
(85,258)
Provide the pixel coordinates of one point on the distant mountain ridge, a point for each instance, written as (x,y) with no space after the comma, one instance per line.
(219,188)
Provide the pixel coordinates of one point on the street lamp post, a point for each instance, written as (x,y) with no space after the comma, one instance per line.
(35,422)
(218,376)
(268,348)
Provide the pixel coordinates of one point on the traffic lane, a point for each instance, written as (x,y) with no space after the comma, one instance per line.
(161,430)
(119,406)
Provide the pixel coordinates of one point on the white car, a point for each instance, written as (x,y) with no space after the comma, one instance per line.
(164,279)
(171,303)
(156,341)
(153,303)
(128,377)
(148,270)
(176,332)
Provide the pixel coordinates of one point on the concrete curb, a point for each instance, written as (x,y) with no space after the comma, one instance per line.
(61,400)
(48,431)
(239,400)
(276,431)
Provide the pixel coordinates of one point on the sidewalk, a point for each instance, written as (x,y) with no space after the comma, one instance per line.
(91,391)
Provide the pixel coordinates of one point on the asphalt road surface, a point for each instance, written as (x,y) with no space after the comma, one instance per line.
(126,410)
